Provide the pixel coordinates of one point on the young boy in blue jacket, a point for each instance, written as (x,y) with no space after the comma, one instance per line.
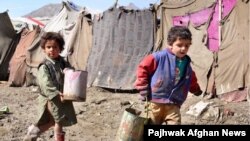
(165,77)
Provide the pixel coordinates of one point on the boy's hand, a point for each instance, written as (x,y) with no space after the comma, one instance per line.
(143,95)
(142,98)
(61,97)
(198,93)
(65,69)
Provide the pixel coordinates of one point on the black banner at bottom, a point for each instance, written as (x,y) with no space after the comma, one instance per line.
(195,132)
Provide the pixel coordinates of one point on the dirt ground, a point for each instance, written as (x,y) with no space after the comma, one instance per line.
(99,117)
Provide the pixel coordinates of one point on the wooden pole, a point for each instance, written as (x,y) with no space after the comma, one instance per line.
(116,2)
(220,22)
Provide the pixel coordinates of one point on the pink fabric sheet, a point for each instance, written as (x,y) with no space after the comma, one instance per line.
(202,16)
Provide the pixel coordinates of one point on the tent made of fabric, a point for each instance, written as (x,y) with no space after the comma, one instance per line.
(120,40)
(232,67)
(17,65)
(8,41)
(78,42)
(67,16)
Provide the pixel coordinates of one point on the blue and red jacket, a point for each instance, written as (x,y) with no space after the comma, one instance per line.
(156,79)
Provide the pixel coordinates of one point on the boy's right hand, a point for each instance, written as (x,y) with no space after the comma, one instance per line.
(143,95)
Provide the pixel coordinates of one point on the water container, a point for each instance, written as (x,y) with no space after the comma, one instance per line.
(132,126)
(75,85)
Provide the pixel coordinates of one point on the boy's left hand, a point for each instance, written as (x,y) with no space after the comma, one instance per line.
(61,97)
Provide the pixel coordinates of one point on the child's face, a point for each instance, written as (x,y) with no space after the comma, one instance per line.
(180,47)
(52,49)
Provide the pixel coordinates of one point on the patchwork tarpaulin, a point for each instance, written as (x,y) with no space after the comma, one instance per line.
(213,28)
(121,39)
(8,41)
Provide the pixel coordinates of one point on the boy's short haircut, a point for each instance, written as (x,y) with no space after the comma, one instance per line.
(52,36)
(178,32)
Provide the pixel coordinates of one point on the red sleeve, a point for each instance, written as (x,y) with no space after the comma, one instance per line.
(194,87)
(145,69)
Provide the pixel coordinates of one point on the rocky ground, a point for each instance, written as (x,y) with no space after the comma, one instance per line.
(100,116)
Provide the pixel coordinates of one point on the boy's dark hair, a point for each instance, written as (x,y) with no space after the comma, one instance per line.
(52,36)
(178,32)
